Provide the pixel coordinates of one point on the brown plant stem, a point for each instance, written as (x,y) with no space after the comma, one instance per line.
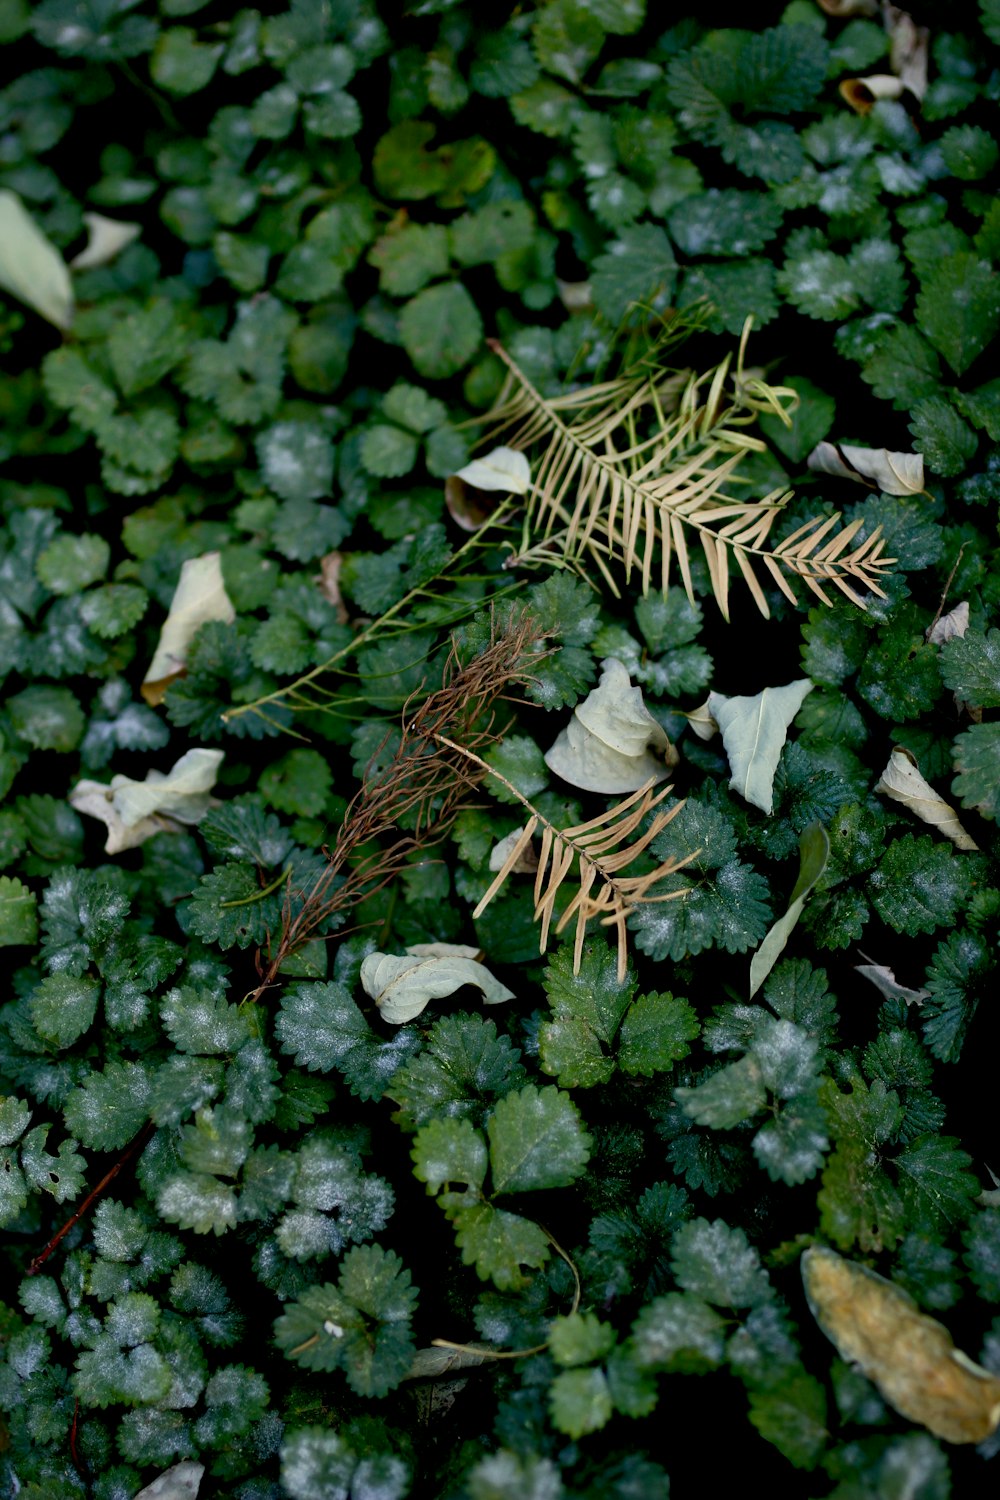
(92,1196)
(428,776)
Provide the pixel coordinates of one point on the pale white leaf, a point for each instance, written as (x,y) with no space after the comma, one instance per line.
(701,722)
(893,473)
(887,984)
(902,781)
(181,793)
(526,864)
(907,49)
(444,950)
(954,624)
(504,469)
(134,811)
(95,799)
(200,596)
(814,851)
(754,731)
(181,1482)
(106,239)
(31,267)
(608,744)
(402,984)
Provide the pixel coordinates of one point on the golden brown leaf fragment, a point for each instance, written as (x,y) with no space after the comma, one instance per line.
(912,1359)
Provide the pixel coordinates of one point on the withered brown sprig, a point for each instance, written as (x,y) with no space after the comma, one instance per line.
(426,780)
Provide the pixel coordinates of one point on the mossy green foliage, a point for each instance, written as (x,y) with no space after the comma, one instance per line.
(336,206)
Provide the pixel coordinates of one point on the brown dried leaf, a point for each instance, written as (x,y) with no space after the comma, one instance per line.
(329,584)
(912,1359)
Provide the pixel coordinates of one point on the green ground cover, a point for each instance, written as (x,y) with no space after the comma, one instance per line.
(441,442)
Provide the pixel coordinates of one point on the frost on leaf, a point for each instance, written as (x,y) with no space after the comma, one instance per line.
(892,473)
(609,742)
(910,1357)
(136,810)
(902,781)
(200,596)
(402,985)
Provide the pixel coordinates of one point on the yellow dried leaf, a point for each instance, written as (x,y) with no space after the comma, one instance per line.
(912,1359)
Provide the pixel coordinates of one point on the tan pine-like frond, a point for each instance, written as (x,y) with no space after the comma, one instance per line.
(630,473)
(599,850)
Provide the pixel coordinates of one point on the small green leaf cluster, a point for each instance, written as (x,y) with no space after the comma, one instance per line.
(247,1223)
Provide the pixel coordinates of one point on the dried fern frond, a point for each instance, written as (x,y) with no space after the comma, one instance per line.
(628,470)
(602,854)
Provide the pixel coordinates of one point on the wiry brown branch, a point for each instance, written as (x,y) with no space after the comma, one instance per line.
(427,779)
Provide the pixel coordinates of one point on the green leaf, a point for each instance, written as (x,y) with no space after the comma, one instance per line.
(63,1008)
(793,1418)
(903,367)
(537,1140)
(296,459)
(918,886)
(977,758)
(71,563)
(180,63)
(969,152)
(462,1068)
(499,1244)
(728,911)
(409,257)
(970,666)
(725,1098)
(679,1333)
(579,1339)
(655,1034)
(111,611)
(360,1326)
(18,913)
(814,851)
(638,267)
(441,330)
(958,308)
(939,433)
(320,1025)
(48,718)
(580,1401)
(717,1263)
(110,1106)
(957,980)
(725,222)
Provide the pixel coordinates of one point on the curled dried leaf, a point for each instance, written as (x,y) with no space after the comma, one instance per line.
(902,781)
(954,624)
(518,848)
(136,810)
(609,744)
(912,1359)
(403,984)
(200,596)
(473,494)
(887,984)
(106,238)
(892,473)
(861,93)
